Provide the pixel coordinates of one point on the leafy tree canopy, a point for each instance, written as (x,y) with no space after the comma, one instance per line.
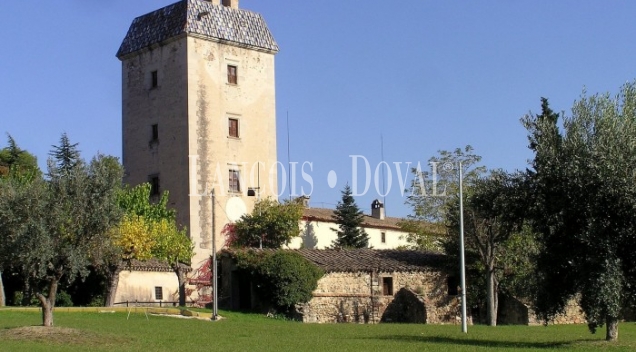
(270,225)
(584,197)
(56,228)
(17,162)
(282,278)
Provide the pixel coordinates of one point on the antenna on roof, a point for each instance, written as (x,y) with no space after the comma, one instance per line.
(383,178)
(288,160)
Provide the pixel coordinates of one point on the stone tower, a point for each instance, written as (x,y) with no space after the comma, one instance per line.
(199,112)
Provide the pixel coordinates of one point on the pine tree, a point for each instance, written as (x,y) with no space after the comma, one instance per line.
(66,156)
(17,162)
(349,219)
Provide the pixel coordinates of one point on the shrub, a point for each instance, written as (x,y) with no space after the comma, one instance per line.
(282,278)
(63,299)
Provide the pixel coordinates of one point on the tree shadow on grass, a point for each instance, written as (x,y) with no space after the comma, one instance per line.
(447,340)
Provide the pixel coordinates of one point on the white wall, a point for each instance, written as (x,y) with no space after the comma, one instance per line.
(140,286)
(319,235)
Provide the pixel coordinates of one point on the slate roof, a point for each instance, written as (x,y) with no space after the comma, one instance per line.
(199,18)
(366,260)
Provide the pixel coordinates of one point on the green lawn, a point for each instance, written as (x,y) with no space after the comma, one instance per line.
(248,332)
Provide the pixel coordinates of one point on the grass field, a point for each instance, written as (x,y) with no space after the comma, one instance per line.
(81,331)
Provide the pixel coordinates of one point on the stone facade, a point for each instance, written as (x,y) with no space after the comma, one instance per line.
(189,124)
(199,117)
(514,312)
(361,286)
(360,298)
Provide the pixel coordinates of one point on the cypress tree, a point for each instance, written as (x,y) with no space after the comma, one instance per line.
(349,219)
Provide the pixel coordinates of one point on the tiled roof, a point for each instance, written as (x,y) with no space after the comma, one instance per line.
(389,223)
(326,215)
(365,260)
(151,265)
(200,18)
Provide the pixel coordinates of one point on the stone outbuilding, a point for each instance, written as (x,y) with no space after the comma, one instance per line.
(364,286)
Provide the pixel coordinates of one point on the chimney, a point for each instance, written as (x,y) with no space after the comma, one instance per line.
(305,201)
(227,3)
(230,3)
(377,210)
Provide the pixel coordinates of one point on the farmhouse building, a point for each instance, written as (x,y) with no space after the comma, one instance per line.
(363,286)
(317,229)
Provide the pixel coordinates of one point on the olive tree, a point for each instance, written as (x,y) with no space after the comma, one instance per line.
(584,196)
(55,228)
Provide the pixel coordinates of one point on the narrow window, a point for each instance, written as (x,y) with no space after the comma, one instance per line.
(154,133)
(226,3)
(383,237)
(387,286)
(154,79)
(158,292)
(451,282)
(154,185)
(235,183)
(231,74)
(234,127)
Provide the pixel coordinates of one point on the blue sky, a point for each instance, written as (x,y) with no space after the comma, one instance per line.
(424,75)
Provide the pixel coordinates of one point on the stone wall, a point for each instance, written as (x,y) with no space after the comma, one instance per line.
(406,307)
(514,312)
(358,298)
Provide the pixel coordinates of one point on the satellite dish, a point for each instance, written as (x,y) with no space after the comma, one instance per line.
(235,208)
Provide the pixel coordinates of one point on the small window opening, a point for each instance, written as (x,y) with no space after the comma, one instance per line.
(158,292)
(154,79)
(452,286)
(232,77)
(154,185)
(387,286)
(383,237)
(155,133)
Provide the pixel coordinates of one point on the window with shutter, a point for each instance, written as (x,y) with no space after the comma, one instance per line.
(232,76)
(234,127)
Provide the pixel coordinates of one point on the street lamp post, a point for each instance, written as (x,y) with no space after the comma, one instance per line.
(215,305)
(461,249)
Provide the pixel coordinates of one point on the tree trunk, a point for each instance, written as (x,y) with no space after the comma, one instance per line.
(2,296)
(491,297)
(48,303)
(181,278)
(612,328)
(26,293)
(113,283)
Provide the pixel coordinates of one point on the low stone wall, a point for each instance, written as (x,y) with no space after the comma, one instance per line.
(573,314)
(358,298)
(514,312)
